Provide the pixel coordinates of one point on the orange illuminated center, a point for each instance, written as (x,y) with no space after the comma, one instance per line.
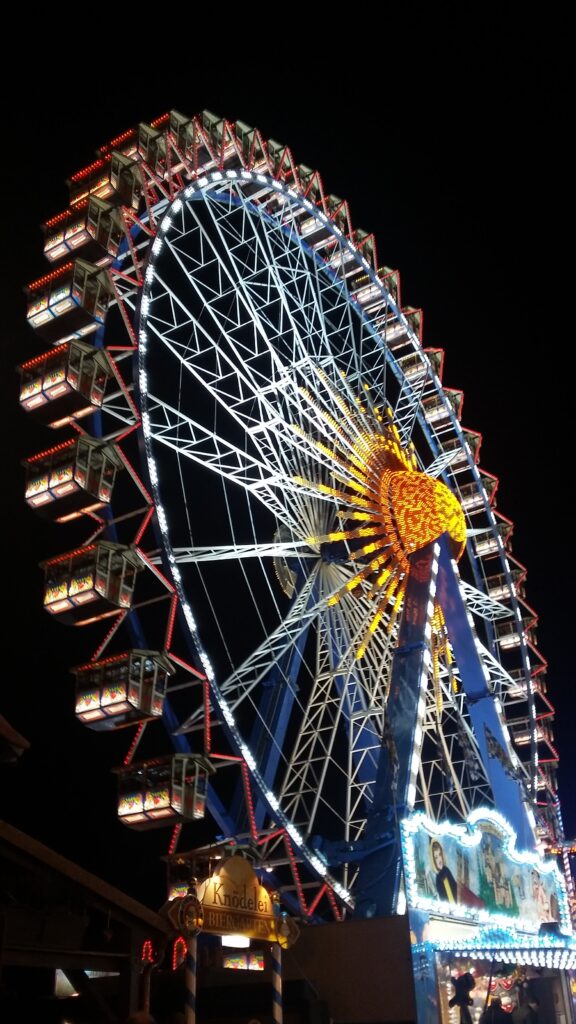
(388,509)
(403,511)
(417,509)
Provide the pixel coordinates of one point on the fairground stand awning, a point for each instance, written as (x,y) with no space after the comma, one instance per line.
(507,947)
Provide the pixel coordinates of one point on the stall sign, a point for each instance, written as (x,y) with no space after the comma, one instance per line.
(475,871)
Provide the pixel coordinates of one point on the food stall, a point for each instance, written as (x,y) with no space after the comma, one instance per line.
(486,920)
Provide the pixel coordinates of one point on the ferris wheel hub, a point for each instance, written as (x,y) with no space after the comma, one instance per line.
(421,509)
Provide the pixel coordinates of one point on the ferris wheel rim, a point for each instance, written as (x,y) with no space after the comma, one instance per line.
(273,804)
(208,182)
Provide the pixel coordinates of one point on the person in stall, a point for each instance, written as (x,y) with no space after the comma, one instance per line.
(495,1013)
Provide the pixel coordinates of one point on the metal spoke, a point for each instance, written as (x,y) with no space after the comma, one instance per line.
(224,553)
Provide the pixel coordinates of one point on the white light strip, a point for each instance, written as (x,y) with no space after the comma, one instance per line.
(421,706)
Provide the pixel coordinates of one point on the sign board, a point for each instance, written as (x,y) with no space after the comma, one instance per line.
(231,902)
(234,902)
(474,871)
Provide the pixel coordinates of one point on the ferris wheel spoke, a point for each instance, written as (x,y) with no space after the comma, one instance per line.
(244,399)
(290,271)
(250,310)
(500,679)
(324,301)
(191,440)
(257,666)
(266,431)
(287,277)
(325,413)
(451,775)
(345,705)
(313,759)
(408,403)
(366,684)
(445,764)
(441,462)
(256,291)
(241,683)
(291,498)
(232,552)
(482,604)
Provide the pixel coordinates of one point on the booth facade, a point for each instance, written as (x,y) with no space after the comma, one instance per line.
(479,907)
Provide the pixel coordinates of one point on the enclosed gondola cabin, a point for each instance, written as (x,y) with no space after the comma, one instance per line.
(126,180)
(64,384)
(91,583)
(123,690)
(71,478)
(92,227)
(163,791)
(71,301)
(116,177)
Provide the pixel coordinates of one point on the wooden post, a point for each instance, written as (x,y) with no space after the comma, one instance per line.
(190,1006)
(277,1014)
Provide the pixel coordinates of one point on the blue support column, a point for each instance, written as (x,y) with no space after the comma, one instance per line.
(279,691)
(278,694)
(509,797)
(276,708)
(432,576)
(380,872)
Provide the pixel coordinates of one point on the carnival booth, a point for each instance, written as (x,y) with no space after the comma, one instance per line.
(486,920)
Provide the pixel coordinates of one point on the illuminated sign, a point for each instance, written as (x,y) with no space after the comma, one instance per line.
(474,871)
(234,902)
(231,902)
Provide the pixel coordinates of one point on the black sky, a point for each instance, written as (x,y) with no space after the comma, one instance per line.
(456,158)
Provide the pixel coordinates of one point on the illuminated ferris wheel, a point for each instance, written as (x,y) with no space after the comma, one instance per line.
(305,573)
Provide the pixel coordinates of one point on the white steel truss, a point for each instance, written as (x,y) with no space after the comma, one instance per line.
(262,371)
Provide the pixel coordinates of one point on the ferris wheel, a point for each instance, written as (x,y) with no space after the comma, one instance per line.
(319,591)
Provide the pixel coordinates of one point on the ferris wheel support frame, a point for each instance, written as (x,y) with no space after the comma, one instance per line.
(433,574)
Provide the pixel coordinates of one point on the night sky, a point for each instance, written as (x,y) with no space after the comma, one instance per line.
(459,167)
